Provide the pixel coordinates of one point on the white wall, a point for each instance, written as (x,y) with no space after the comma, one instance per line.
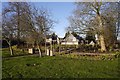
(69,43)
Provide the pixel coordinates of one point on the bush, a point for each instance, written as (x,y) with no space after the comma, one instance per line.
(88,48)
(16,51)
(117,55)
(91,57)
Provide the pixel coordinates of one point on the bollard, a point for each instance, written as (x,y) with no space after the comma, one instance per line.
(51,53)
(47,52)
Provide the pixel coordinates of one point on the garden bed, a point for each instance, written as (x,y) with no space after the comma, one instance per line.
(93,56)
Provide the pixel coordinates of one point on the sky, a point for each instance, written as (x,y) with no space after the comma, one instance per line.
(60,12)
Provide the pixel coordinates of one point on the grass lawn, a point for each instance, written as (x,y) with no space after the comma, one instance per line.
(58,67)
(17,52)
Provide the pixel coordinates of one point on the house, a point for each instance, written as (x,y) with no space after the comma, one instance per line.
(48,40)
(52,39)
(70,39)
(92,43)
(91,39)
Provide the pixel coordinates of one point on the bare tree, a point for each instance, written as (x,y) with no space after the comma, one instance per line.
(42,24)
(26,22)
(93,13)
(21,12)
(118,22)
(8,32)
(17,23)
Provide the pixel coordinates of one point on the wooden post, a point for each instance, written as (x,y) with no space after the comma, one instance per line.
(45,46)
(51,49)
(51,53)
(59,48)
(53,46)
(48,52)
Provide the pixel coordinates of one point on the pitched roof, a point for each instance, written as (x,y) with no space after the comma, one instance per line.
(78,37)
(54,37)
(73,35)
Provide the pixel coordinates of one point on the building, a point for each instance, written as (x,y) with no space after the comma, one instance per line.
(52,39)
(70,39)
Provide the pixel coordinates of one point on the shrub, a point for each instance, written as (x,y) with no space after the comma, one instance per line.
(88,48)
(117,54)
(87,57)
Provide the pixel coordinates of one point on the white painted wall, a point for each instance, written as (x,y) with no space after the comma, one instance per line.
(69,43)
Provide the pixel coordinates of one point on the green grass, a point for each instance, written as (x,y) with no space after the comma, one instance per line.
(58,67)
(17,52)
(64,66)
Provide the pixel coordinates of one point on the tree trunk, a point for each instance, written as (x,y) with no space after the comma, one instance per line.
(59,48)
(11,50)
(102,43)
(18,23)
(51,50)
(45,46)
(101,32)
(40,54)
(10,47)
(33,45)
